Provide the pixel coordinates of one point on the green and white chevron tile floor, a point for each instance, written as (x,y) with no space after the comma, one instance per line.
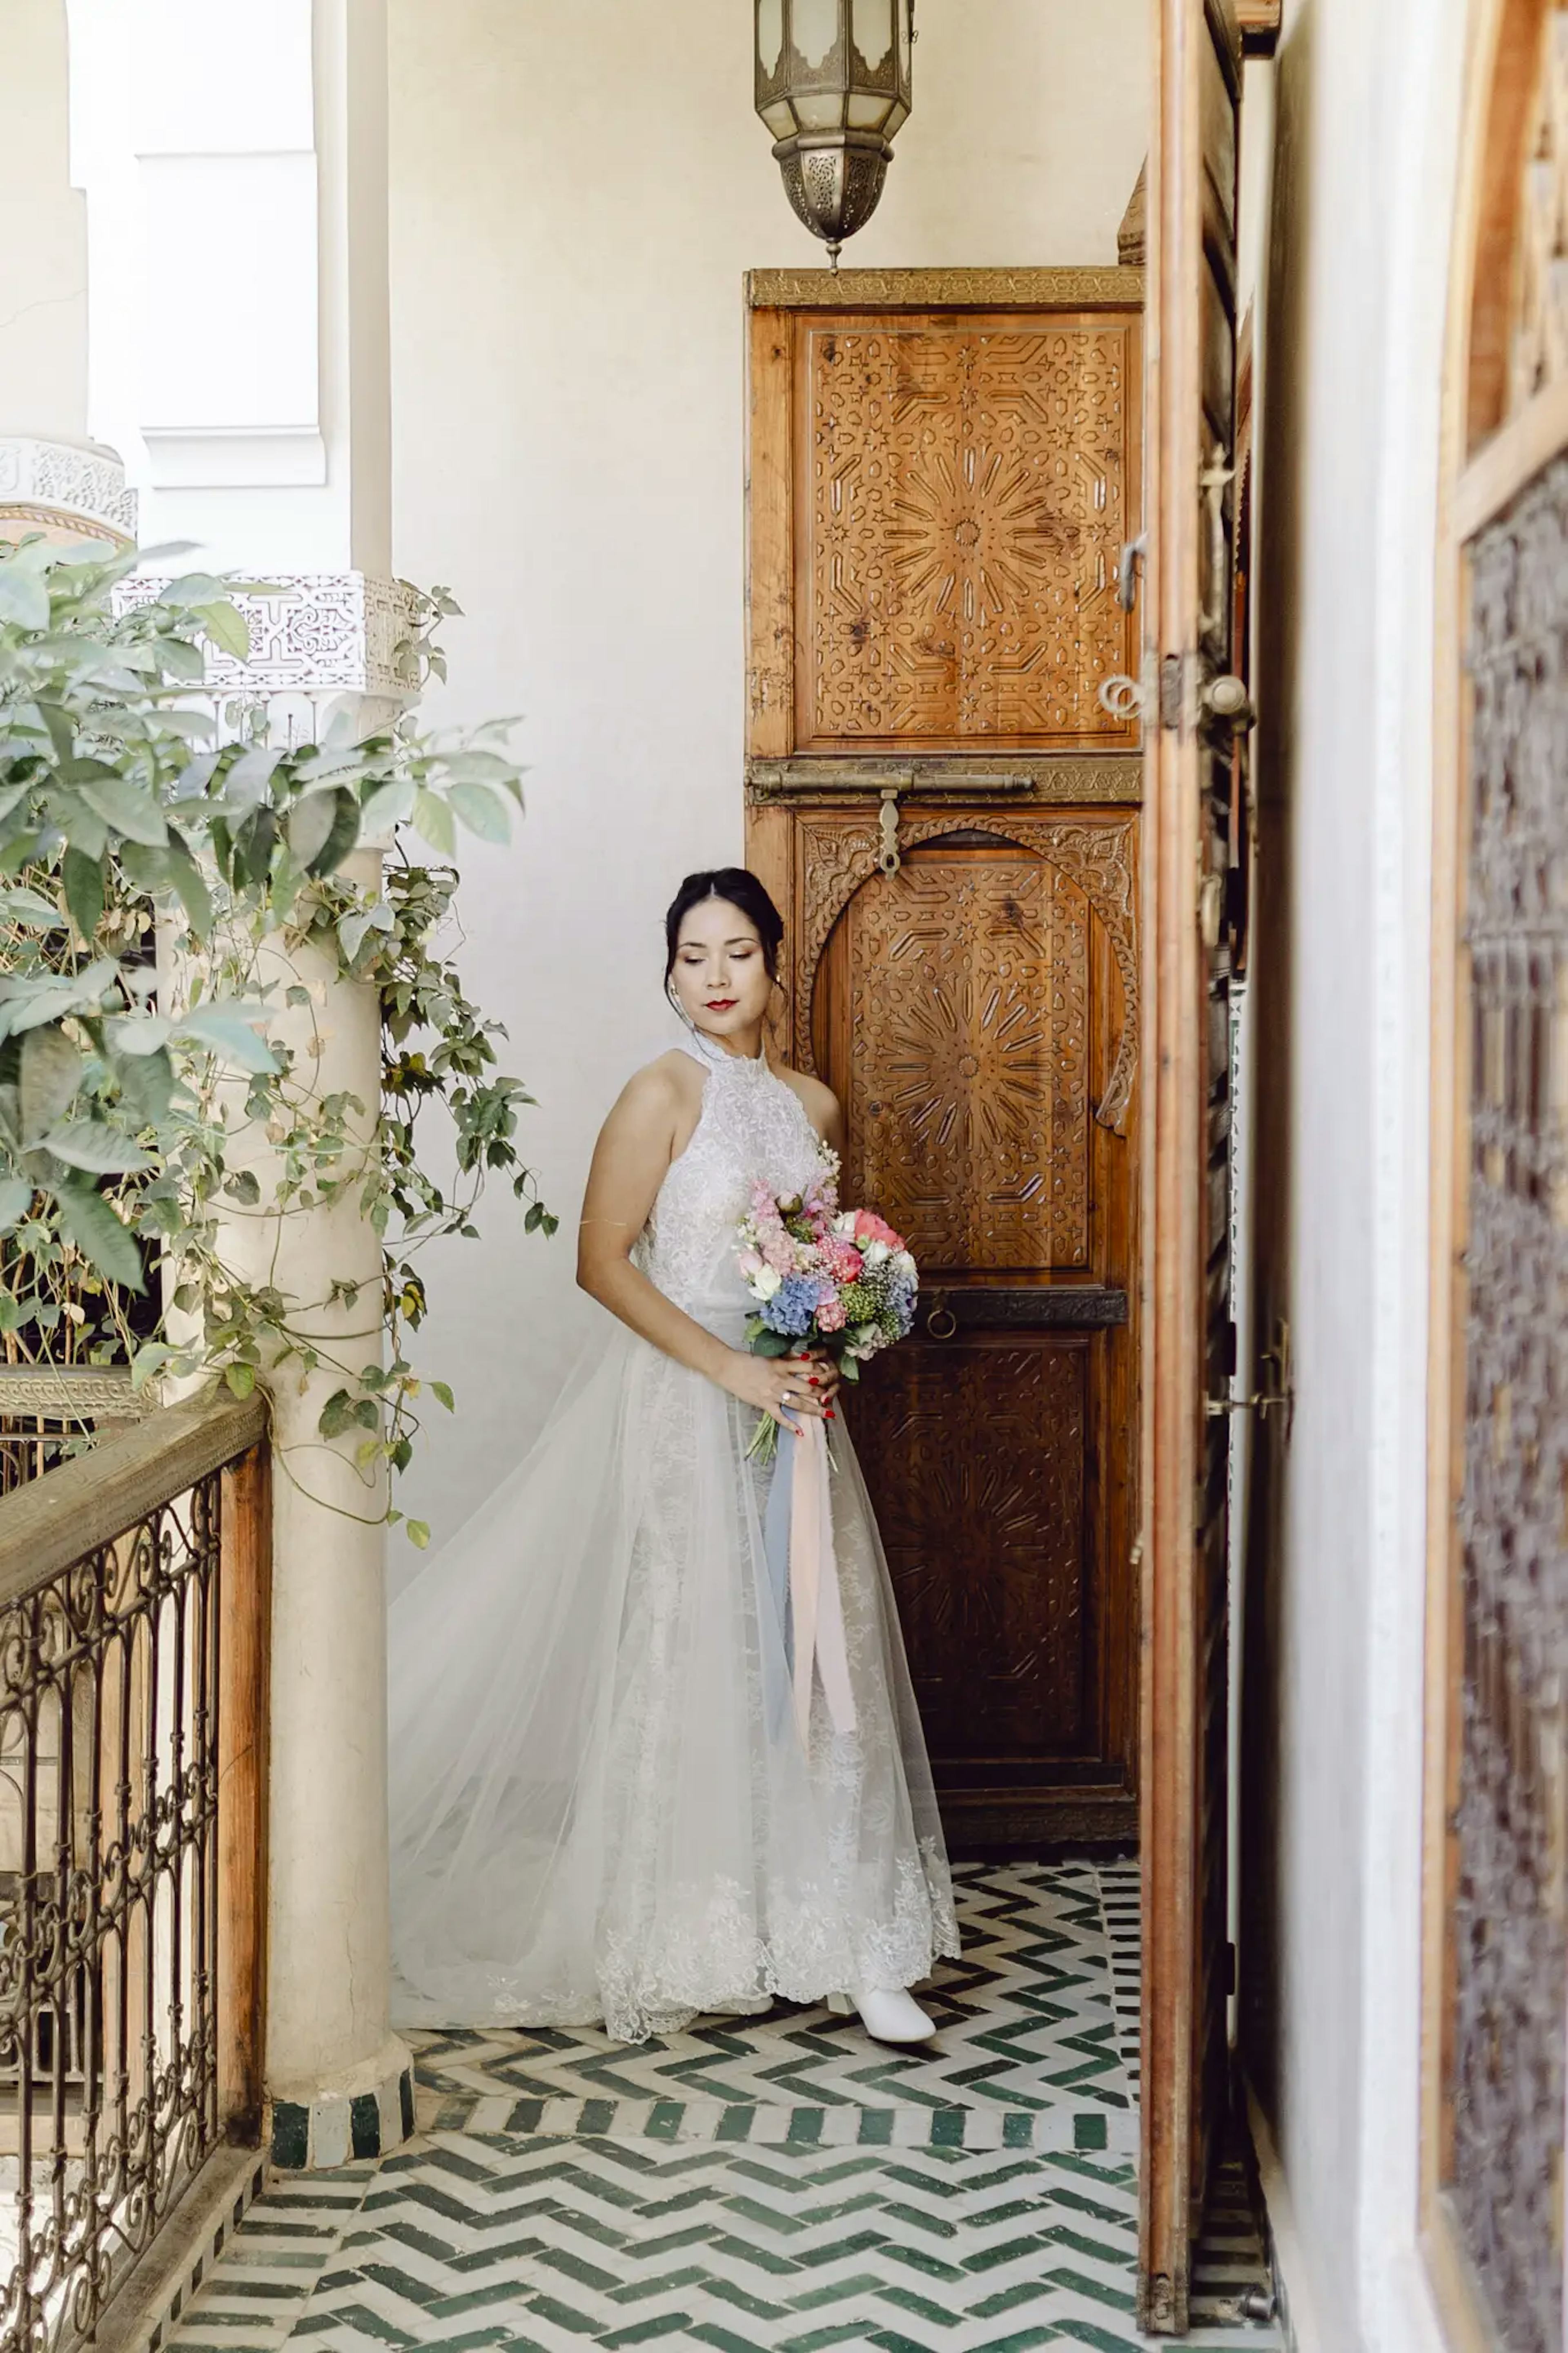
(772,2183)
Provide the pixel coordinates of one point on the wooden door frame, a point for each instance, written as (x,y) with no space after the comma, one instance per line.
(1175,1141)
(1487,458)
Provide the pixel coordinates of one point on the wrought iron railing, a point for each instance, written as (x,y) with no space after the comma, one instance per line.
(133,1590)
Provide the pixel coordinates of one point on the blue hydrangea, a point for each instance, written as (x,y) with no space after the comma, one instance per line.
(792,1306)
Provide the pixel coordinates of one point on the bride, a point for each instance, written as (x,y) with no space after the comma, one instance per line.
(603,1804)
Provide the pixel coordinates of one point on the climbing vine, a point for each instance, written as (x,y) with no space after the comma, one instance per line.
(153,1084)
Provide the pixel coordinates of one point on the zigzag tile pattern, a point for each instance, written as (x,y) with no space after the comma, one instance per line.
(1026,2026)
(774,2185)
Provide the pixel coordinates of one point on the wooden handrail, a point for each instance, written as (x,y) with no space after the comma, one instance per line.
(84,1503)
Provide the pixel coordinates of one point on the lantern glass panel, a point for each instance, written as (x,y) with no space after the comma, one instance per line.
(868,109)
(814,26)
(903,11)
(898,114)
(873,30)
(780,118)
(821,110)
(769,36)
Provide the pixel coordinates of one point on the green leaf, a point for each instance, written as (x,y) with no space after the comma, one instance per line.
(190,884)
(60,728)
(227,627)
(433,819)
(482,811)
(92,1145)
(149,1358)
(241,1379)
(31,911)
(244,1187)
(16,1193)
(388,805)
(309,826)
(191,588)
(98,1233)
(84,879)
(439,1389)
(129,808)
(146,1085)
(229,1034)
(343,837)
(337,1415)
(246,783)
(24,598)
(49,1076)
(139,1033)
(419,1533)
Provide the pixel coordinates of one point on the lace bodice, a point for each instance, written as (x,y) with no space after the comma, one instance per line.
(752,1124)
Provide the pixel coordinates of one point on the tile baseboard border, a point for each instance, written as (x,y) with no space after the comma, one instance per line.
(157,2293)
(335,2127)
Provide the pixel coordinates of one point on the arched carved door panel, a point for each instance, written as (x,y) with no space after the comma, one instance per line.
(972,1013)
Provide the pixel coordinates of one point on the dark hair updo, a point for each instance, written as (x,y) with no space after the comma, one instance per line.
(740,887)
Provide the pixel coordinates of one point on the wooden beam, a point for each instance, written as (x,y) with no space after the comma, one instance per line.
(944,290)
(71,1510)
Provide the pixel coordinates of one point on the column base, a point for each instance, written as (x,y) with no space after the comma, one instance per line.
(365,2112)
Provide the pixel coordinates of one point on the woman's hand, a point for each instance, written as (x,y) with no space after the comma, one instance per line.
(785,1386)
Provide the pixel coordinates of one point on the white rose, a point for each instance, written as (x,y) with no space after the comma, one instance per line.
(844,1225)
(765,1284)
(904,1261)
(874,1252)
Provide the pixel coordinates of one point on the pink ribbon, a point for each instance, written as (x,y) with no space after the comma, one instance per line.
(816,1611)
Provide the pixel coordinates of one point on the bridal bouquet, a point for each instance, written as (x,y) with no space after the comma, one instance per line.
(840,1281)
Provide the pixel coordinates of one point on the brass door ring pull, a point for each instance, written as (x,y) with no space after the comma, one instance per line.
(940,1323)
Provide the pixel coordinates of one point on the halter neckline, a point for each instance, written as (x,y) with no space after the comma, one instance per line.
(698,1043)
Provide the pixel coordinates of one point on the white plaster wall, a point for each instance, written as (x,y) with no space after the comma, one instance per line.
(43,256)
(1365,175)
(575,194)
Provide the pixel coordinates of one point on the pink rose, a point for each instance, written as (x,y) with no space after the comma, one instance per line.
(751,1262)
(870,1228)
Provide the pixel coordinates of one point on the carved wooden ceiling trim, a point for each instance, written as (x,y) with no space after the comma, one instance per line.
(838,859)
(943,290)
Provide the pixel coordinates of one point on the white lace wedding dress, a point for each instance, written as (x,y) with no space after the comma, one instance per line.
(602,1805)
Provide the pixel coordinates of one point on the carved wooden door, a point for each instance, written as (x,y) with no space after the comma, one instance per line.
(1192,707)
(972,1010)
(944,467)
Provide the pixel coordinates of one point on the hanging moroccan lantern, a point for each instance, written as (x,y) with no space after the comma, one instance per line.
(832,87)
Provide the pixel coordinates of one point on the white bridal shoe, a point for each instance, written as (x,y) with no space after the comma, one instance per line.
(886,2017)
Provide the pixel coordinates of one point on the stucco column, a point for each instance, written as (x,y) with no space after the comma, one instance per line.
(338,2079)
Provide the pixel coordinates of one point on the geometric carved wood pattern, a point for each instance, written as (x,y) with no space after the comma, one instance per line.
(987,1540)
(839,854)
(962,503)
(968,1081)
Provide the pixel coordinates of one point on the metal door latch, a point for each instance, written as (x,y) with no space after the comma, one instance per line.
(1279,1395)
